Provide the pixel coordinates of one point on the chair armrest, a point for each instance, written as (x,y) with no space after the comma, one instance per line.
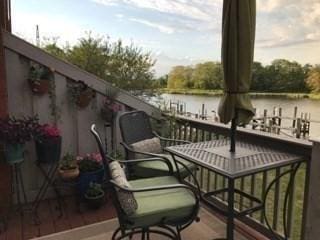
(170,139)
(191,174)
(157,188)
(154,155)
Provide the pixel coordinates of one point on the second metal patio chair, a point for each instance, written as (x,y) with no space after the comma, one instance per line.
(161,202)
(140,141)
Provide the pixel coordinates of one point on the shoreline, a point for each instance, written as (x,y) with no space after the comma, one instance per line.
(217,93)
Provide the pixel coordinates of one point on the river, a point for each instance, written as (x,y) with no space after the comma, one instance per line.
(194,104)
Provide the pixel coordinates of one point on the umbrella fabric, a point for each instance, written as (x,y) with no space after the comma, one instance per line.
(238,34)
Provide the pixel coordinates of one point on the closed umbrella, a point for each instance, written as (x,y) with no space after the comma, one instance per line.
(238,34)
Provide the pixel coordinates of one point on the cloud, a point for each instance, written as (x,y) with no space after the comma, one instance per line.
(287,23)
(187,15)
(195,9)
(160,27)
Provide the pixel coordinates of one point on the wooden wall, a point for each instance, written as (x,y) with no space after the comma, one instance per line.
(73,122)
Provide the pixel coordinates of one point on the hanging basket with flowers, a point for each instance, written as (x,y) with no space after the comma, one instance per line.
(48,144)
(40,78)
(80,93)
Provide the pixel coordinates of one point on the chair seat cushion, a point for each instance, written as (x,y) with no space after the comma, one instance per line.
(158,168)
(168,206)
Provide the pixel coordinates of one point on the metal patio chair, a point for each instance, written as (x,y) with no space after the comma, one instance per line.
(161,202)
(135,127)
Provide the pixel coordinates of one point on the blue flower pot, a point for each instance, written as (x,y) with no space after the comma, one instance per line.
(85,178)
(14,153)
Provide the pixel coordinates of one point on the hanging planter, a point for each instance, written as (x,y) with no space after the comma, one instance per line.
(39,79)
(80,93)
(48,144)
(14,133)
(14,153)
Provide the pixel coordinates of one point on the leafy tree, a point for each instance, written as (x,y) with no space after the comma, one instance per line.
(207,75)
(127,67)
(161,82)
(179,77)
(313,79)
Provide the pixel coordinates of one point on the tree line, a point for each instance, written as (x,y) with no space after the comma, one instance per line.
(280,76)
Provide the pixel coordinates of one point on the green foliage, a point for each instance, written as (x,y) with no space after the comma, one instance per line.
(127,67)
(68,162)
(94,190)
(313,79)
(88,165)
(280,76)
(206,75)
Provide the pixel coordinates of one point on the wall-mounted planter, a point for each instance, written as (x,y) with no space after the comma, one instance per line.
(39,87)
(85,98)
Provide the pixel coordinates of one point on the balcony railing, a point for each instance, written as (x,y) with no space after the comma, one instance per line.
(198,130)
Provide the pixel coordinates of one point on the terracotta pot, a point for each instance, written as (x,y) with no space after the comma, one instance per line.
(85,98)
(40,87)
(68,174)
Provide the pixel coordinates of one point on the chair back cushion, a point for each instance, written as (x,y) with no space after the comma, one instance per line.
(151,145)
(127,200)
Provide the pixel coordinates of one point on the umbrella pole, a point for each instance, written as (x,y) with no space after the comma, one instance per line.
(233,132)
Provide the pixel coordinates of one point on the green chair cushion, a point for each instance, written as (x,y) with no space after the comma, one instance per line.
(158,168)
(164,205)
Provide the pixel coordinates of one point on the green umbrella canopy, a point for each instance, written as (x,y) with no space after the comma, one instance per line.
(238,34)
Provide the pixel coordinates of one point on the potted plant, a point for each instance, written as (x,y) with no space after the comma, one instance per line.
(80,93)
(91,170)
(14,133)
(39,78)
(110,107)
(48,144)
(68,167)
(94,195)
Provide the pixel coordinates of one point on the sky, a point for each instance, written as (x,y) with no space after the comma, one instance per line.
(176,32)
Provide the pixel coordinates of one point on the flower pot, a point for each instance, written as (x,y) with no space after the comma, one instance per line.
(85,98)
(48,151)
(69,174)
(85,178)
(40,87)
(14,153)
(96,201)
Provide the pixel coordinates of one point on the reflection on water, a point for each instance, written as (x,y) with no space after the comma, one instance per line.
(194,103)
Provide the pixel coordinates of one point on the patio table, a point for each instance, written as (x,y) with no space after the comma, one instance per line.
(250,158)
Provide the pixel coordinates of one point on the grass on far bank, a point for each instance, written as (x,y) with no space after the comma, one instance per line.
(204,92)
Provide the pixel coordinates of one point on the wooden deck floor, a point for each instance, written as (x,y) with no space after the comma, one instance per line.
(23,227)
(92,225)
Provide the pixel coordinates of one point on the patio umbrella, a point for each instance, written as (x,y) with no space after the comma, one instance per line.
(238,34)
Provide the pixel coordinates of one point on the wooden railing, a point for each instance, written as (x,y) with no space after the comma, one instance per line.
(198,130)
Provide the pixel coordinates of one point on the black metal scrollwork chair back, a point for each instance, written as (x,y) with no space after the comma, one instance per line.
(140,141)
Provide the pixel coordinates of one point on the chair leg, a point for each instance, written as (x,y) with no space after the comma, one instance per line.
(143,234)
(115,233)
(148,234)
(178,233)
